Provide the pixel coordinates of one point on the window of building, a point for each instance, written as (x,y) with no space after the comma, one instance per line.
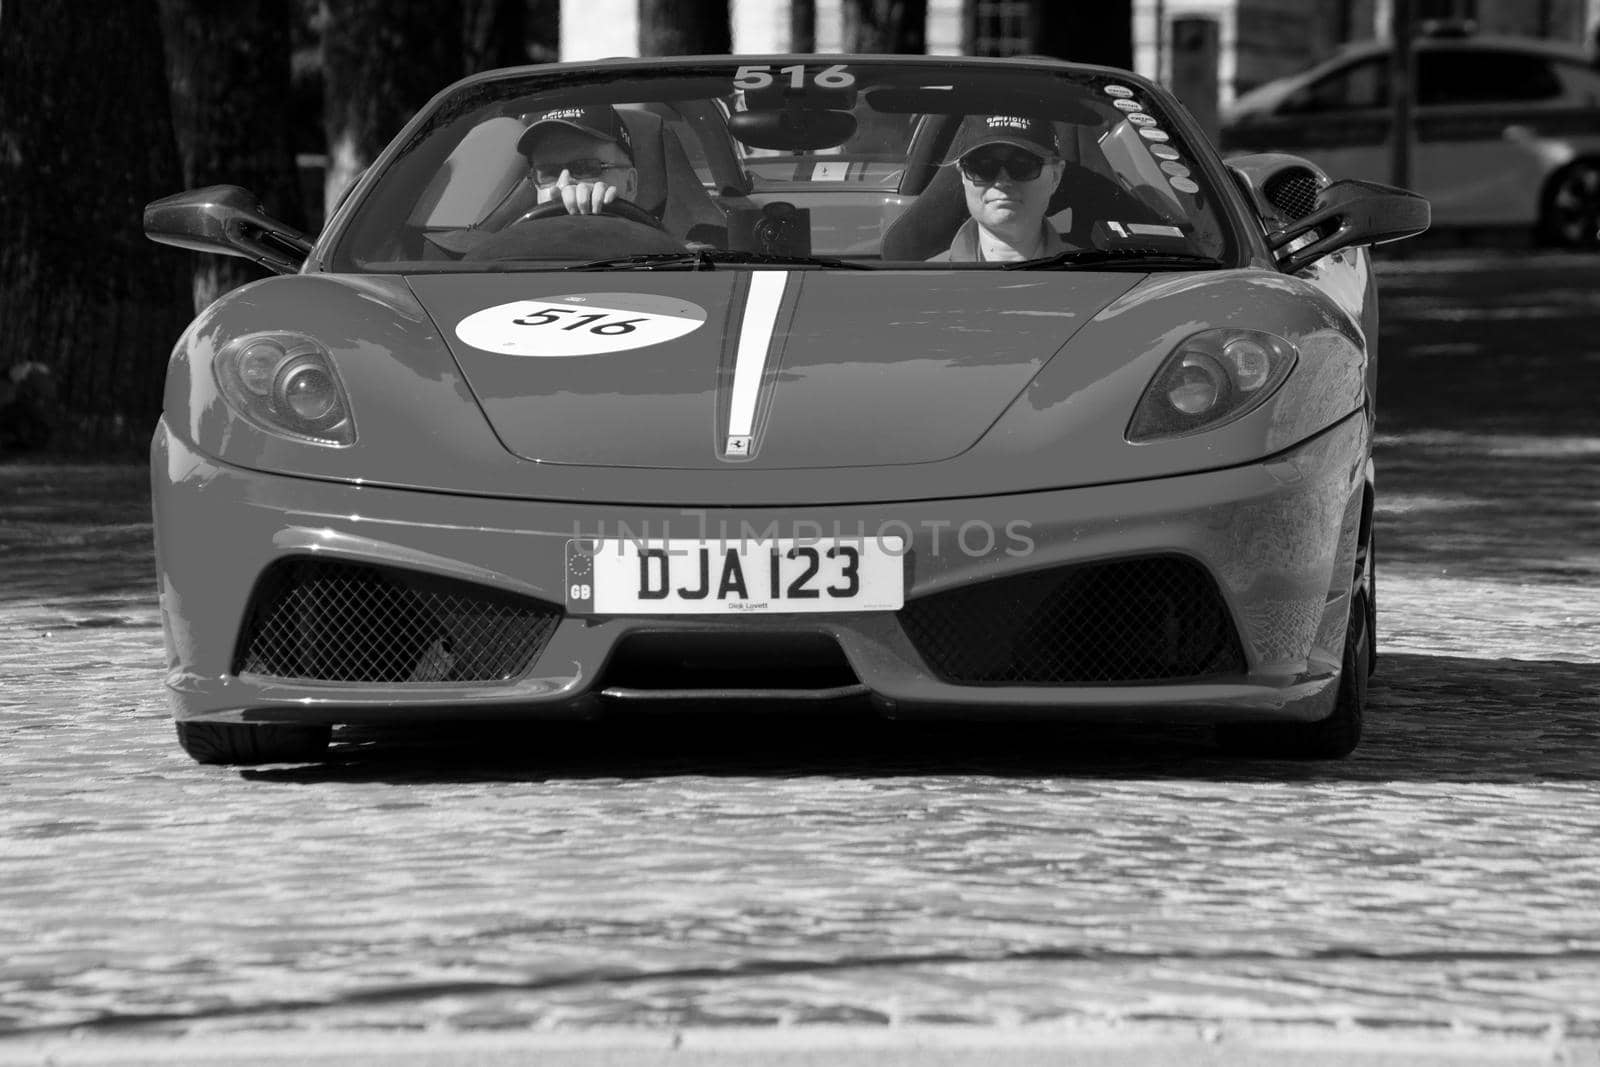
(1447,11)
(1000,27)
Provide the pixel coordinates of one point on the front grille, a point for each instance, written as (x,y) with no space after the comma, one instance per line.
(331,621)
(1138,620)
(728,661)
(1293,192)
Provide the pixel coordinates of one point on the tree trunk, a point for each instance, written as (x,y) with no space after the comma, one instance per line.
(886,26)
(542,39)
(494,34)
(1101,32)
(228,68)
(381,61)
(803,25)
(685,28)
(86,130)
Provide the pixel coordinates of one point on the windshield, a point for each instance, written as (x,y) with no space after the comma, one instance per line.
(910,164)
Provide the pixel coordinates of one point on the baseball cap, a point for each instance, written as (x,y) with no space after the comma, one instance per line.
(1035,135)
(600,122)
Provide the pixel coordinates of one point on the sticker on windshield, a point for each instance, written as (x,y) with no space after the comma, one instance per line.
(1119,90)
(1125,104)
(1177,170)
(798,76)
(1183,185)
(580,324)
(1152,229)
(1163,151)
(1139,118)
(1150,133)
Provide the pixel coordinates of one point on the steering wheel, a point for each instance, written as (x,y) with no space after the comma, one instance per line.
(623,209)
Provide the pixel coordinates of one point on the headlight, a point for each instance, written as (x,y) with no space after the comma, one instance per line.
(285,383)
(1214,377)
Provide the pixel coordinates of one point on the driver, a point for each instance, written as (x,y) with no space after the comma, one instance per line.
(1010,166)
(581,156)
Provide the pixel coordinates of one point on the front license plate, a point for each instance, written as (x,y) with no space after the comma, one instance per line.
(623,576)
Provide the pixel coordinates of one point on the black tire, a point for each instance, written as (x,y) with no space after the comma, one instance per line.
(230,743)
(1569,210)
(1332,738)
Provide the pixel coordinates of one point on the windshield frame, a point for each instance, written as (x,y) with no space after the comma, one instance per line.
(1244,244)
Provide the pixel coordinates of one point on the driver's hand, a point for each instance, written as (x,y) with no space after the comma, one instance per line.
(583,198)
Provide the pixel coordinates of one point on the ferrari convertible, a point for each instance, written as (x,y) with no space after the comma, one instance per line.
(673,382)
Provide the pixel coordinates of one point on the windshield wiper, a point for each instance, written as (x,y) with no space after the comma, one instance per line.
(1119,259)
(711,258)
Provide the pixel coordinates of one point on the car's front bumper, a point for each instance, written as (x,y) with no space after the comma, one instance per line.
(1277,536)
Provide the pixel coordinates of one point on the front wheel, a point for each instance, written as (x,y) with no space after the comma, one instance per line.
(1332,738)
(232,743)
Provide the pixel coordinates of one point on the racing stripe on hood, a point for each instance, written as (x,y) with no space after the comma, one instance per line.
(768,297)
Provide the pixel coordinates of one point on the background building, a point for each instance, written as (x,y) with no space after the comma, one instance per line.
(1258,40)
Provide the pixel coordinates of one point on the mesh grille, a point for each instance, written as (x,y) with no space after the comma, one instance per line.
(329,621)
(1138,620)
(1293,192)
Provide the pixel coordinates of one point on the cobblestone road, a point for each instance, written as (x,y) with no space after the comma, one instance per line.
(806,871)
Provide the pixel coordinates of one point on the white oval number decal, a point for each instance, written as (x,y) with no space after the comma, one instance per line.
(580,324)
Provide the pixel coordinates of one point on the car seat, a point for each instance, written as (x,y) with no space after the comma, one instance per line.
(669,188)
(926,227)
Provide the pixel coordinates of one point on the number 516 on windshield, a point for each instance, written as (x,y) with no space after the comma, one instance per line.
(760,76)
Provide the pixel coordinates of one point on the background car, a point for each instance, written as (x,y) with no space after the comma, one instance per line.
(749,436)
(1507,129)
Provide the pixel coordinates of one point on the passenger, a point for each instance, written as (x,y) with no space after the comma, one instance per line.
(1010,166)
(581,156)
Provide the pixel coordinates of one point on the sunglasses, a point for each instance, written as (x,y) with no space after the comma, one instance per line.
(986,166)
(583,170)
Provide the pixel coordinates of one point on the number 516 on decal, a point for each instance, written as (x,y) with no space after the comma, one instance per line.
(760,76)
(594,320)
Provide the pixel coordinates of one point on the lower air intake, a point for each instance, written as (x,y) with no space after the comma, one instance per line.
(1129,621)
(331,621)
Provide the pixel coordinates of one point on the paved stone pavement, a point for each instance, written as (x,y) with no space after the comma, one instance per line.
(804,873)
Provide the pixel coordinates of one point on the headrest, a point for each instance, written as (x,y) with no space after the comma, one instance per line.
(649,157)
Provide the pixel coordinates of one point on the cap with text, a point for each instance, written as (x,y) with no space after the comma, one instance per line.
(601,122)
(1035,135)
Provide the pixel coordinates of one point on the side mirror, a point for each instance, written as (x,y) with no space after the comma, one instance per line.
(1348,213)
(226,219)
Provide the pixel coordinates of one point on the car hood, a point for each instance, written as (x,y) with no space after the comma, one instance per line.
(812,369)
(420,424)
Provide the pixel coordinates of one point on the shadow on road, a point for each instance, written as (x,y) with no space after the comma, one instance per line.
(1507,507)
(75,536)
(1433,718)
(1484,348)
